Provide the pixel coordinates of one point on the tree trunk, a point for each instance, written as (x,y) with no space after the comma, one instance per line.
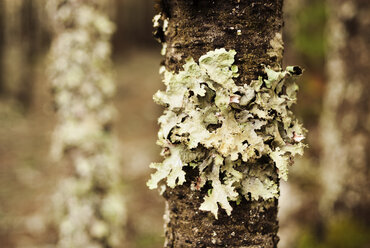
(18,52)
(128,35)
(253,30)
(345,119)
(89,203)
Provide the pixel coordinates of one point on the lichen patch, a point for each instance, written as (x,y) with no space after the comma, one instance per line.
(225,130)
(277,46)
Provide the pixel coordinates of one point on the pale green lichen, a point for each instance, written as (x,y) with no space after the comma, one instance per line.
(224,130)
(160,23)
(277,46)
(156,19)
(89,204)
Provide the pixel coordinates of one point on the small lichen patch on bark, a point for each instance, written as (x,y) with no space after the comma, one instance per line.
(277,47)
(223,129)
(156,20)
(160,25)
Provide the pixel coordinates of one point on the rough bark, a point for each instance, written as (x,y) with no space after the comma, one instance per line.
(196,27)
(199,26)
(89,203)
(345,119)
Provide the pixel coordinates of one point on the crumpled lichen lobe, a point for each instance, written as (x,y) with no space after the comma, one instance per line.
(227,127)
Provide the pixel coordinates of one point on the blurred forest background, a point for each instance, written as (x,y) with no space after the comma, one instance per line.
(28,177)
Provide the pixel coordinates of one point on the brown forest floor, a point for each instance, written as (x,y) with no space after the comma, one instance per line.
(28,177)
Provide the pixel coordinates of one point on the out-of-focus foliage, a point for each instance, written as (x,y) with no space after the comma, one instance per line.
(309,37)
(305,44)
(341,233)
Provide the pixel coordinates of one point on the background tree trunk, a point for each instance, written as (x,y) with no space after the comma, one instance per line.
(345,118)
(89,203)
(22,38)
(15,61)
(125,14)
(196,27)
(1,47)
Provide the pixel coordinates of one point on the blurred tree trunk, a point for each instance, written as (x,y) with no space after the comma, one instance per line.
(1,47)
(345,122)
(15,60)
(194,28)
(133,20)
(22,38)
(27,42)
(89,203)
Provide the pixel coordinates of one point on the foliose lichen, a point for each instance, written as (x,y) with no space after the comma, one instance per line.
(160,25)
(225,130)
(89,204)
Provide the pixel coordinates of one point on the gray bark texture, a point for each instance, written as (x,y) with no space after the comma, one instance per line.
(194,28)
(345,123)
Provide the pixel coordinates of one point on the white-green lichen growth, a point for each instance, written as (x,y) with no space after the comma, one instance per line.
(226,130)
(160,23)
(89,204)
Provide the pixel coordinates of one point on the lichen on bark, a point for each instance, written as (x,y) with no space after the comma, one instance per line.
(89,205)
(221,129)
(222,64)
